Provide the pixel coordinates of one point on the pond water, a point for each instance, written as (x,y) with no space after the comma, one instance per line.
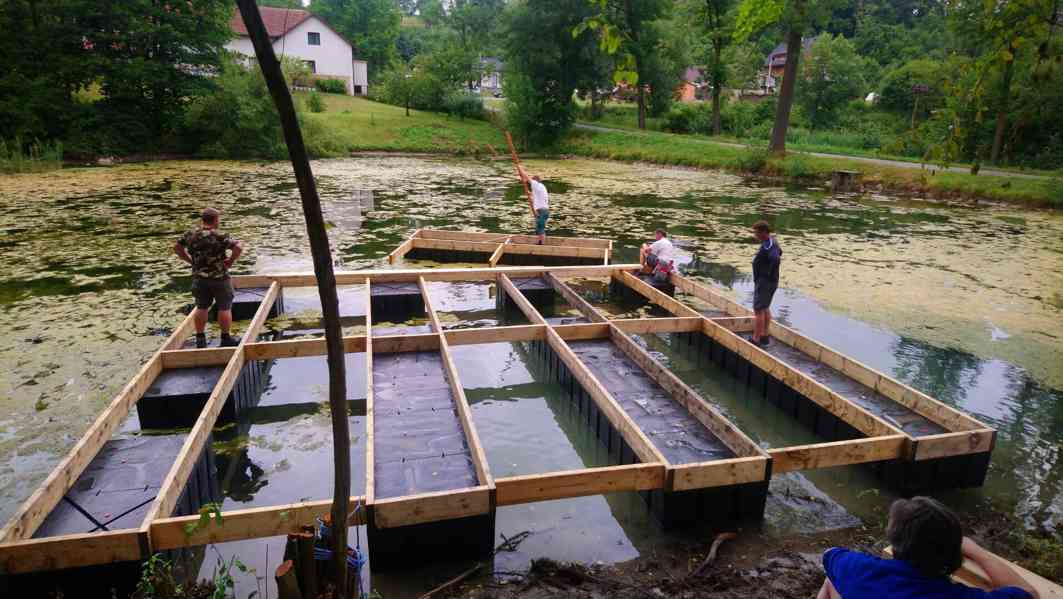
(963,303)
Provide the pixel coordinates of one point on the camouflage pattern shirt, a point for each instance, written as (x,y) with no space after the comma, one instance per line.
(207,248)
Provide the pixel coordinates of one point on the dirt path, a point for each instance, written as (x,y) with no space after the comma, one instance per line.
(878,161)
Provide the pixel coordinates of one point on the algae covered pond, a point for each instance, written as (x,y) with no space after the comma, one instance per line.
(964,303)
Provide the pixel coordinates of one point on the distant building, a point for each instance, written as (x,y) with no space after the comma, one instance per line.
(493,69)
(299,34)
(775,64)
(691,85)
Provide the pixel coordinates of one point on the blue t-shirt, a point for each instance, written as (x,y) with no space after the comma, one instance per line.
(857,575)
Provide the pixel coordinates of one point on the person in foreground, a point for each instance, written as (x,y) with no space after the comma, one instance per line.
(765,280)
(658,257)
(540,203)
(207,250)
(928,546)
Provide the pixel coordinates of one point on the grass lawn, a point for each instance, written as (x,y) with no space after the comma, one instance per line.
(362,125)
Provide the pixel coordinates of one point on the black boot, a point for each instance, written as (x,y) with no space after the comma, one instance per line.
(229,341)
(201,340)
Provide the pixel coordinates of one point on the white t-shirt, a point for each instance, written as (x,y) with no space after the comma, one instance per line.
(663,249)
(540,198)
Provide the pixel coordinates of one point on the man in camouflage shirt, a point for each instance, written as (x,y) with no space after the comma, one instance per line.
(206,250)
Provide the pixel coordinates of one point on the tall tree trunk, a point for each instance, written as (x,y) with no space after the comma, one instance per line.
(326,285)
(1002,108)
(786,93)
(716,128)
(717,83)
(642,106)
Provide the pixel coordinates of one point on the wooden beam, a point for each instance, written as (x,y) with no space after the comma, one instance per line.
(300,348)
(657,296)
(433,318)
(240,525)
(191,358)
(177,477)
(507,287)
(972,575)
(515,490)
(720,473)
(635,437)
(181,333)
(436,274)
(705,413)
(649,326)
(70,551)
(404,247)
(370,423)
(708,295)
(523,249)
(579,332)
(737,324)
(589,312)
(837,453)
(497,255)
(431,507)
(522,332)
(958,443)
(584,242)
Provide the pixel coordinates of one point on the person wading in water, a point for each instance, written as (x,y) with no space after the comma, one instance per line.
(206,249)
(765,280)
(540,203)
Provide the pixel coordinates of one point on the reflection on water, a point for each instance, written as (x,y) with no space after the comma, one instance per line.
(962,303)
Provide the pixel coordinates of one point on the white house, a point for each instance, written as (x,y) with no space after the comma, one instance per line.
(299,34)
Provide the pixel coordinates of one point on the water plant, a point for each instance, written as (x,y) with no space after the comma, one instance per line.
(36,156)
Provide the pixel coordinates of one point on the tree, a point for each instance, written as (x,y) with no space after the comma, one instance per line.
(713,21)
(797,16)
(1002,31)
(545,62)
(832,75)
(326,287)
(628,27)
(372,26)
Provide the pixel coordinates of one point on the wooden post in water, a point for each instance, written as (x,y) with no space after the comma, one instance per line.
(326,284)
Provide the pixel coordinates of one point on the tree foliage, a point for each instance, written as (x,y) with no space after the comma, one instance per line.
(831,75)
(372,26)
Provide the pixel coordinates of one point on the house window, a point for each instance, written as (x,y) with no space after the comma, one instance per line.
(313,38)
(312,65)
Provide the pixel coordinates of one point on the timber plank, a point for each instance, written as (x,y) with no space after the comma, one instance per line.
(437,274)
(515,490)
(837,453)
(370,428)
(720,473)
(576,300)
(522,302)
(656,296)
(70,551)
(431,507)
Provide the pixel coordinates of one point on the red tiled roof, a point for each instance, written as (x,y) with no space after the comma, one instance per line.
(279,21)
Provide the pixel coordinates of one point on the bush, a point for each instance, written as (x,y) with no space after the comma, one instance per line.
(689,118)
(538,119)
(752,160)
(464,105)
(17,157)
(330,86)
(314,103)
(798,166)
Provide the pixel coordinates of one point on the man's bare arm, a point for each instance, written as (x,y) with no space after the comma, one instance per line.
(1000,574)
(181,252)
(237,249)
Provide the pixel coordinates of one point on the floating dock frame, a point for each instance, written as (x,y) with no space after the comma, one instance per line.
(678,450)
(495,248)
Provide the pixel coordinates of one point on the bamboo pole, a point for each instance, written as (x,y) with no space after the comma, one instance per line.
(326,281)
(516,162)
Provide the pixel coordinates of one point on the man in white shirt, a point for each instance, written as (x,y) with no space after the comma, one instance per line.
(540,203)
(658,257)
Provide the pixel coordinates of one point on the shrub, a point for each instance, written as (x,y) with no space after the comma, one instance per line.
(37,156)
(330,86)
(314,103)
(689,118)
(751,160)
(798,166)
(464,105)
(539,119)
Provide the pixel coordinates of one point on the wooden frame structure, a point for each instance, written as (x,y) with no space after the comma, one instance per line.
(880,440)
(498,246)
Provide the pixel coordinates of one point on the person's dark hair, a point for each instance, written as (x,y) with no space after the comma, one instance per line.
(926,534)
(210,216)
(662,232)
(762,226)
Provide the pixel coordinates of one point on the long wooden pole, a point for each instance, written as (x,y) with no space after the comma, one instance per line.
(516,163)
(326,284)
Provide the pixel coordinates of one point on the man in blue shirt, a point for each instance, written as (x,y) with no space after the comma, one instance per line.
(928,546)
(765,280)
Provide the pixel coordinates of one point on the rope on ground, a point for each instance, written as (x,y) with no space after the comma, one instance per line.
(453,581)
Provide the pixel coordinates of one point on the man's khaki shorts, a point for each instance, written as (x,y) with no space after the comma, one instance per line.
(209,291)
